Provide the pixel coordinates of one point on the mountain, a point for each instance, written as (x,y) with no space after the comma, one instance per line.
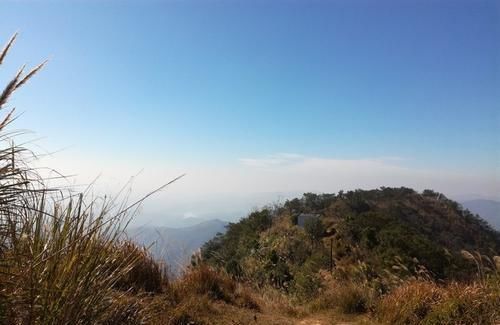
(391,255)
(395,229)
(176,245)
(489,210)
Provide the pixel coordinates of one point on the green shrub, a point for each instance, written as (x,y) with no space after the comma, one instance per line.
(314,228)
(305,285)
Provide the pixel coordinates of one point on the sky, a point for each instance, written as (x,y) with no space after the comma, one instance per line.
(259,101)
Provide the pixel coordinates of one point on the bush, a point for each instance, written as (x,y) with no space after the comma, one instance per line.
(314,228)
(305,285)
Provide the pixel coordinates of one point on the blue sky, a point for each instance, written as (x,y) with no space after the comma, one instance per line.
(197,85)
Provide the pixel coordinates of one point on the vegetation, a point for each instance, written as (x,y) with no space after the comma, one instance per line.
(385,245)
(390,256)
(63,259)
(422,302)
(391,230)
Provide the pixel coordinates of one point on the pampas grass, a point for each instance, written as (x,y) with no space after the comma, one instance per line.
(63,258)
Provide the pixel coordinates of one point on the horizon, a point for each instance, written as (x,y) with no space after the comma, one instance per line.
(258,102)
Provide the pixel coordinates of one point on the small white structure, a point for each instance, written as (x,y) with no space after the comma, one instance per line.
(303,217)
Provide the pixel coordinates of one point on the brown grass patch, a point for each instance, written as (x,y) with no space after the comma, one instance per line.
(424,302)
(215,284)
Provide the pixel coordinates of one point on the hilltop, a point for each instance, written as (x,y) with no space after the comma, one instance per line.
(380,228)
(360,252)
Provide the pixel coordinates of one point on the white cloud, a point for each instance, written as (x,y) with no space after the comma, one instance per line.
(273,160)
(235,188)
(189,215)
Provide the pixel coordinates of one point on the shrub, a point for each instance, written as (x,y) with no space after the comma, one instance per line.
(314,228)
(305,285)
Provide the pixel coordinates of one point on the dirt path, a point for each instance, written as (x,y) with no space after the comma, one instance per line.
(312,321)
(328,320)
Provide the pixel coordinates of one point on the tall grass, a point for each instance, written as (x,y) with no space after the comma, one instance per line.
(422,301)
(62,264)
(63,259)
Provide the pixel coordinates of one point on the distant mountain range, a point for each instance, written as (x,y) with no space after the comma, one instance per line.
(489,210)
(176,245)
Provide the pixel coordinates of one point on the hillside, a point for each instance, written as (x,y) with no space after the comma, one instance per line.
(400,256)
(176,245)
(381,228)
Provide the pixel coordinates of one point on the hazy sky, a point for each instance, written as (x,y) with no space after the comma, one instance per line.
(257,100)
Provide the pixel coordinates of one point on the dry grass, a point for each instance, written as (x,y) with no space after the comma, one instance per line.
(146,274)
(127,309)
(467,304)
(424,302)
(61,256)
(63,262)
(201,296)
(410,303)
(276,301)
(192,310)
(216,285)
(345,297)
